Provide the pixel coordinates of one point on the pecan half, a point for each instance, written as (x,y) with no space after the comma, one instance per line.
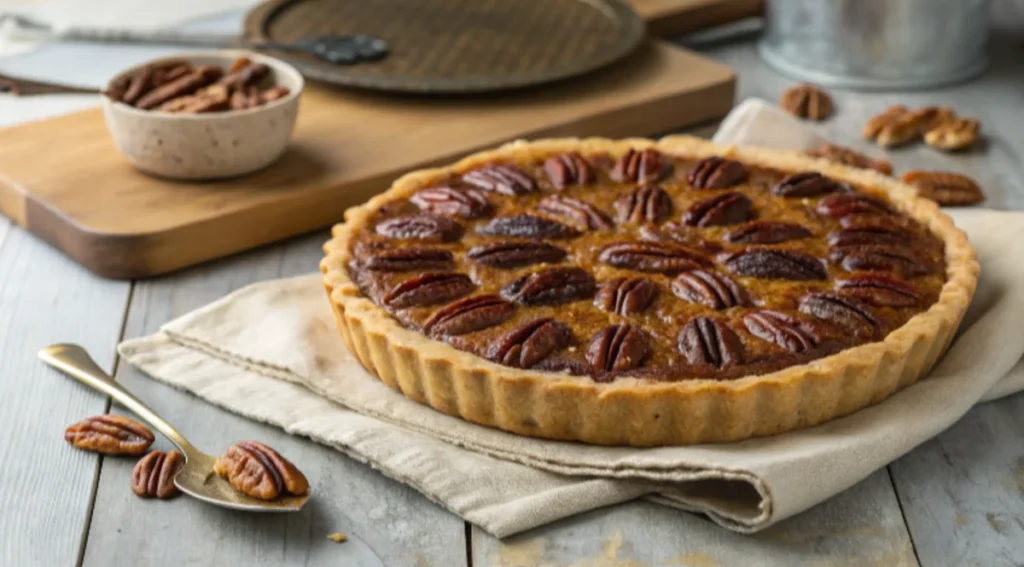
(713,289)
(787,331)
(766,232)
(429,288)
(409,259)
(837,206)
(110,435)
(618,348)
(868,234)
(138,84)
(656,257)
(954,134)
(678,233)
(244,75)
(420,226)
(213,98)
(881,259)
(551,285)
(501,178)
(774,263)
(893,127)
(647,203)
(847,156)
(581,213)
(259,471)
(807,101)
(908,126)
(944,187)
(842,311)
(878,289)
(527,226)
(717,173)
(720,210)
(469,314)
(706,340)
(187,84)
(530,343)
(626,296)
(515,254)
(808,184)
(639,167)
(568,169)
(881,120)
(153,475)
(451,202)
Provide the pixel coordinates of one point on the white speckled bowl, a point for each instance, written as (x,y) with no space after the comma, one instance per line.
(207,146)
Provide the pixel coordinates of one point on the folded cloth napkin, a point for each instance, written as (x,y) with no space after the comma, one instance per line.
(271,352)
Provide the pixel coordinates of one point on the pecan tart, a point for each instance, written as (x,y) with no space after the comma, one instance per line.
(647,293)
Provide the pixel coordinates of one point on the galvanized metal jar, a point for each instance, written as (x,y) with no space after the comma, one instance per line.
(877,44)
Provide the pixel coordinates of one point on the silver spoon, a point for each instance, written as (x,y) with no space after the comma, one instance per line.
(196,478)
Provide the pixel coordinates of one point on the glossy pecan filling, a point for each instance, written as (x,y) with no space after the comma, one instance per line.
(647,265)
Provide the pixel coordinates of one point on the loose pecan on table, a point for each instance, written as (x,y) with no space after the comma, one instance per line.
(717,173)
(656,257)
(515,254)
(808,184)
(153,475)
(709,288)
(887,129)
(420,226)
(503,178)
(807,101)
(618,348)
(842,311)
(562,284)
(879,289)
(944,187)
(581,213)
(469,314)
(429,288)
(847,156)
(722,209)
(954,134)
(766,232)
(407,259)
(111,435)
(259,471)
(464,203)
(639,167)
(530,343)
(775,263)
(625,296)
(527,225)
(647,203)
(787,331)
(568,169)
(706,340)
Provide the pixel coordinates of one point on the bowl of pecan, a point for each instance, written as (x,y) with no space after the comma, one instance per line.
(203,115)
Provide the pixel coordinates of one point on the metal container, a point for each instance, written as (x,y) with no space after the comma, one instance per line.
(877,44)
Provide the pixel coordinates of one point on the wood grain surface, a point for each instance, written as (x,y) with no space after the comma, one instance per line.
(668,18)
(63,180)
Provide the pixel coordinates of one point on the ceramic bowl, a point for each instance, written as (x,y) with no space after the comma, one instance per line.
(213,145)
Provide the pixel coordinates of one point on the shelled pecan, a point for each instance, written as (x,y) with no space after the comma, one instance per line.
(259,471)
(110,435)
(153,475)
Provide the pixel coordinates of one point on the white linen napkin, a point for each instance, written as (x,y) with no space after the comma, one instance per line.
(271,352)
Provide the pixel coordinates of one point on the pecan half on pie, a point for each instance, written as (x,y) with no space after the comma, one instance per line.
(647,293)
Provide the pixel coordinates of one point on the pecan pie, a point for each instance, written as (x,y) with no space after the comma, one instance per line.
(647,293)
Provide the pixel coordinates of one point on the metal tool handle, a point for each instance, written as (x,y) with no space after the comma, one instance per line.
(164,37)
(75,362)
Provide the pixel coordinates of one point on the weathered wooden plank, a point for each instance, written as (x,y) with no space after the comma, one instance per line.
(47,484)
(381,517)
(861,526)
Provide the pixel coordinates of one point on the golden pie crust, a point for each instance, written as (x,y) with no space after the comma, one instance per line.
(636,411)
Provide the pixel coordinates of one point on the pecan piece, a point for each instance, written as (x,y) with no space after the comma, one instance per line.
(678,233)
(111,435)
(720,210)
(868,234)
(257,470)
(717,173)
(451,202)
(409,259)
(713,289)
(195,80)
(245,75)
(420,226)
(838,206)
(647,203)
(774,263)
(808,184)
(879,121)
(501,178)
(787,331)
(153,475)
(944,187)
(428,288)
(527,226)
(656,257)
(706,340)
(138,85)
(530,343)
(569,169)
(626,296)
(878,289)
(894,127)
(469,314)
(879,258)
(274,93)
(551,285)
(639,167)
(213,98)
(807,101)
(954,134)
(766,232)
(847,156)
(515,254)
(581,213)
(618,348)
(842,311)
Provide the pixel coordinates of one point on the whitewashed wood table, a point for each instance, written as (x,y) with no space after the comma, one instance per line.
(958,500)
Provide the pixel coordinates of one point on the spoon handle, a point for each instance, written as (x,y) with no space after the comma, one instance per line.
(75,362)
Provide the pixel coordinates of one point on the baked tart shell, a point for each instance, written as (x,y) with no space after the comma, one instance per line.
(634,411)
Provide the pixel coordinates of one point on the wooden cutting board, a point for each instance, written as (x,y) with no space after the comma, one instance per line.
(63,180)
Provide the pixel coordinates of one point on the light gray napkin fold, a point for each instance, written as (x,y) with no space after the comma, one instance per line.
(271,352)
